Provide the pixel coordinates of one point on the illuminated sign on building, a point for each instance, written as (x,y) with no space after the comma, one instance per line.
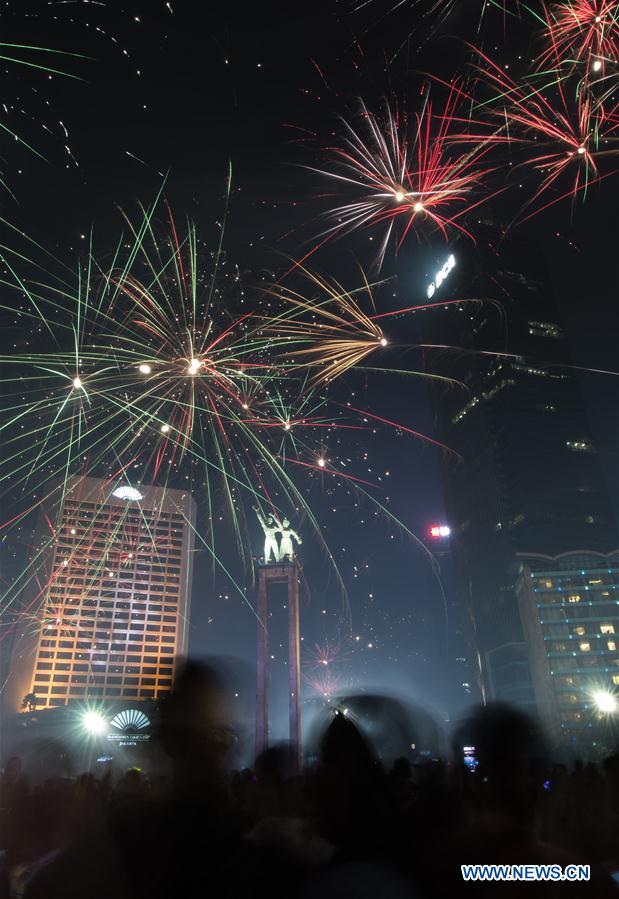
(440,276)
(439,530)
(129,725)
(127,493)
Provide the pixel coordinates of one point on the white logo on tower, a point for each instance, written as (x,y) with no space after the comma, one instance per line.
(440,276)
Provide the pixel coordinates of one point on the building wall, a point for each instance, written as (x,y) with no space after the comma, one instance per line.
(569,606)
(114,590)
(507,668)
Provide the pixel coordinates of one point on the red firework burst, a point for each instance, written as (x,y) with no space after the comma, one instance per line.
(562,140)
(408,176)
(581,32)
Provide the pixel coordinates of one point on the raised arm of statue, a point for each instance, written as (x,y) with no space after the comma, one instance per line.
(261,518)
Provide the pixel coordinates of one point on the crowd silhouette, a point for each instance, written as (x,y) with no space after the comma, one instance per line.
(344,827)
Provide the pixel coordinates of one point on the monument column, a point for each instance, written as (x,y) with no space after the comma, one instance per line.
(262,669)
(294,667)
(273,573)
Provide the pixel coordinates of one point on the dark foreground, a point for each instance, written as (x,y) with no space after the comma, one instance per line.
(346,828)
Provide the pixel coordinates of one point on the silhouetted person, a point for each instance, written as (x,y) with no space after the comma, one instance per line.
(401,785)
(354,806)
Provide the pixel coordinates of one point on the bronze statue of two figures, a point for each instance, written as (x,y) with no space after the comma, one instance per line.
(275,551)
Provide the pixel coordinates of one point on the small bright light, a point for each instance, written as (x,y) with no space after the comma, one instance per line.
(605,702)
(418,207)
(94,723)
(73,530)
(581,150)
(321,463)
(287,426)
(145,369)
(245,406)
(597,65)
(399,196)
(383,341)
(77,383)
(194,366)
(165,429)
(598,19)
(440,530)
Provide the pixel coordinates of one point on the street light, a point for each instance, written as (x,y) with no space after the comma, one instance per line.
(94,723)
(606,703)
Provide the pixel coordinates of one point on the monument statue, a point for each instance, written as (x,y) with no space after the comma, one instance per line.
(283,551)
(270,526)
(285,546)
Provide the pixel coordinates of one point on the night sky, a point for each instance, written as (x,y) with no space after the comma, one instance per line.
(261,89)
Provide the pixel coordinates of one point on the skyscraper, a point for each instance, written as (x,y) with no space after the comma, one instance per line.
(113,613)
(528,478)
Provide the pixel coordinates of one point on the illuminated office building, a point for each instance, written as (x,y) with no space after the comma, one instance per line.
(569,607)
(114,612)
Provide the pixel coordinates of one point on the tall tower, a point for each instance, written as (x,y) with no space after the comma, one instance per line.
(269,574)
(529,478)
(112,616)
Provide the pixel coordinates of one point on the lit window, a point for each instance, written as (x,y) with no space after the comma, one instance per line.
(546,407)
(574,597)
(616,679)
(607,629)
(585,647)
(579,446)
(579,631)
(612,645)
(547,584)
(545,329)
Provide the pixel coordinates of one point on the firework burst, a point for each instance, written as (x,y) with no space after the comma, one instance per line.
(580,33)
(339,332)
(162,370)
(325,683)
(559,139)
(409,176)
